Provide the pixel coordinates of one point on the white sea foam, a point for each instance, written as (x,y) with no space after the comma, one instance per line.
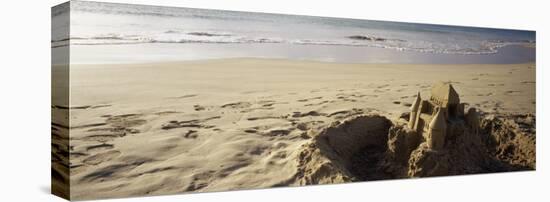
(94,23)
(170,36)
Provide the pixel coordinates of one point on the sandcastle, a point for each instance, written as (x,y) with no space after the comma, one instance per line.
(439,137)
(436,117)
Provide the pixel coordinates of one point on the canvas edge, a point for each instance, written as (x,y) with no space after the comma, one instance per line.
(60,107)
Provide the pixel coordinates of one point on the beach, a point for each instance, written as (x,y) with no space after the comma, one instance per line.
(153,100)
(243,123)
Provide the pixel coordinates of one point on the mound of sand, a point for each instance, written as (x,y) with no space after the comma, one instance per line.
(371,147)
(337,153)
(511,139)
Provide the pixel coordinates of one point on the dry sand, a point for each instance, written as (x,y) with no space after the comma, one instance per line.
(148,129)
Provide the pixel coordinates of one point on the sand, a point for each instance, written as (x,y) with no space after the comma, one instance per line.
(216,125)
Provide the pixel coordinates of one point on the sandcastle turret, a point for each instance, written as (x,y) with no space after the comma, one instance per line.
(472,119)
(414,109)
(436,131)
(441,115)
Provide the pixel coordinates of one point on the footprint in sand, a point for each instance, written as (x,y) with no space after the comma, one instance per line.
(512,92)
(198,108)
(200,181)
(237,105)
(161,113)
(345,113)
(195,123)
(76,155)
(99,147)
(251,130)
(125,120)
(304,126)
(118,126)
(81,107)
(492,84)
(102,138)
(183,96)
(484,95)
(310,113)
(269,132)
(113,172)
(251,92)
(264,117)
(257,150)
(88,125)
(77,168)
(400,90)
(308,99)
(113,127)
(191,134)
(277,132)
(346,95)
(346,99)
(268,103)
(101,157)
(316,104)
(278,156)
(256,108)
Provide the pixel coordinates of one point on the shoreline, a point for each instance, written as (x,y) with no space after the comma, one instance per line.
(113,54)
(197,61)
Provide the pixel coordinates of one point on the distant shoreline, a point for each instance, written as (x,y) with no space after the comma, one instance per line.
(160,53)
(312,62)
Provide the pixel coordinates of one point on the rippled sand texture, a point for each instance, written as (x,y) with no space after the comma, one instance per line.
(149,129)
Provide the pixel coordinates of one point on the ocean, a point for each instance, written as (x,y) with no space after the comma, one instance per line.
(123,33)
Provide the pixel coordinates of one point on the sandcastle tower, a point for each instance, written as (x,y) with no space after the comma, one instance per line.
(472,118)
(414,109)
(437,131)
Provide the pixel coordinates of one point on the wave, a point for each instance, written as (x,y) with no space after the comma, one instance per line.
(373,38)
(211,37)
